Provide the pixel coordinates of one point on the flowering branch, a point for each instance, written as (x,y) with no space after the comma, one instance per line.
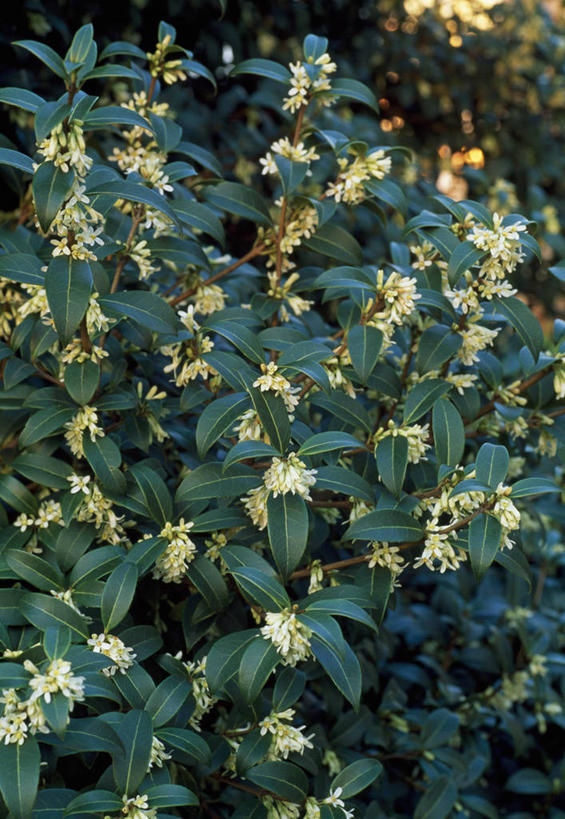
(255,251)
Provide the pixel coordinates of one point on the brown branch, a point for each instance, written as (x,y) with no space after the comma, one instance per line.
(151,90)
(255,251)
(84,337)
(135,220)
(47,376)
(525,385)
(353,561)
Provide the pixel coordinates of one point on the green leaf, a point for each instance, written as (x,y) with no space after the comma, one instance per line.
(344,278)
(388,191)
(136,734)
(223,659)
(148,309)
(242,338)
(104,457)
(449,433)
(50,187)
(80,44)
(104,71)
(216,519)
(529,781)
(438,800)
(341,608)
(134,192)
(19,776)
(167,795)
(354,90)
(248,449)
(121,47)
(314,47)
(210,481)
(240,200)
(94,801)
(118,593)
(328,442)
(95,564)
(46,54)
(261,588)
(43,612)
(392,461)
(252,749)
(115,115)
(523,321)
(422,397)
(22,267)
(273,416)
(57,713)
(533,486)
(189,742)
(201,217)
(167,699)
(208,579)
(287,517)
(437,345)
(68,284)
(463,257)
(356,777)
(344,481)
(291,173)
(386,524)
(155,493)
(289,687)
(281,778)
(491,464)
(56,642)
(257,663)
(485,535)
(335,242)
(21,98)
(81,380)
(16,495)
(364,345)
(438,728)
(263,68)
(13,675)
(343,669)
(347,409)
(15,159)
(34,570)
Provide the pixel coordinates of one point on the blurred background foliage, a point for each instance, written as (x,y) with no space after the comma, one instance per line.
(475,87)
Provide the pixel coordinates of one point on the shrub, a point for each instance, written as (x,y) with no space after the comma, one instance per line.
(230,435)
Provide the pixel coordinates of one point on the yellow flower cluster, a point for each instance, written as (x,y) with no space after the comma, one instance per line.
(348,186)
(171,565)
(307,80)
(160,66)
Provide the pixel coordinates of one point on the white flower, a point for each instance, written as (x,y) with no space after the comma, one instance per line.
(57,678)
(171,565)
(79,483)
(438,547)
(137,807)
(289,636)
(115,649)
(286,738)
(273,381)
(158,754)
(504,508)
(386,556)
(256,505)
(289,475)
